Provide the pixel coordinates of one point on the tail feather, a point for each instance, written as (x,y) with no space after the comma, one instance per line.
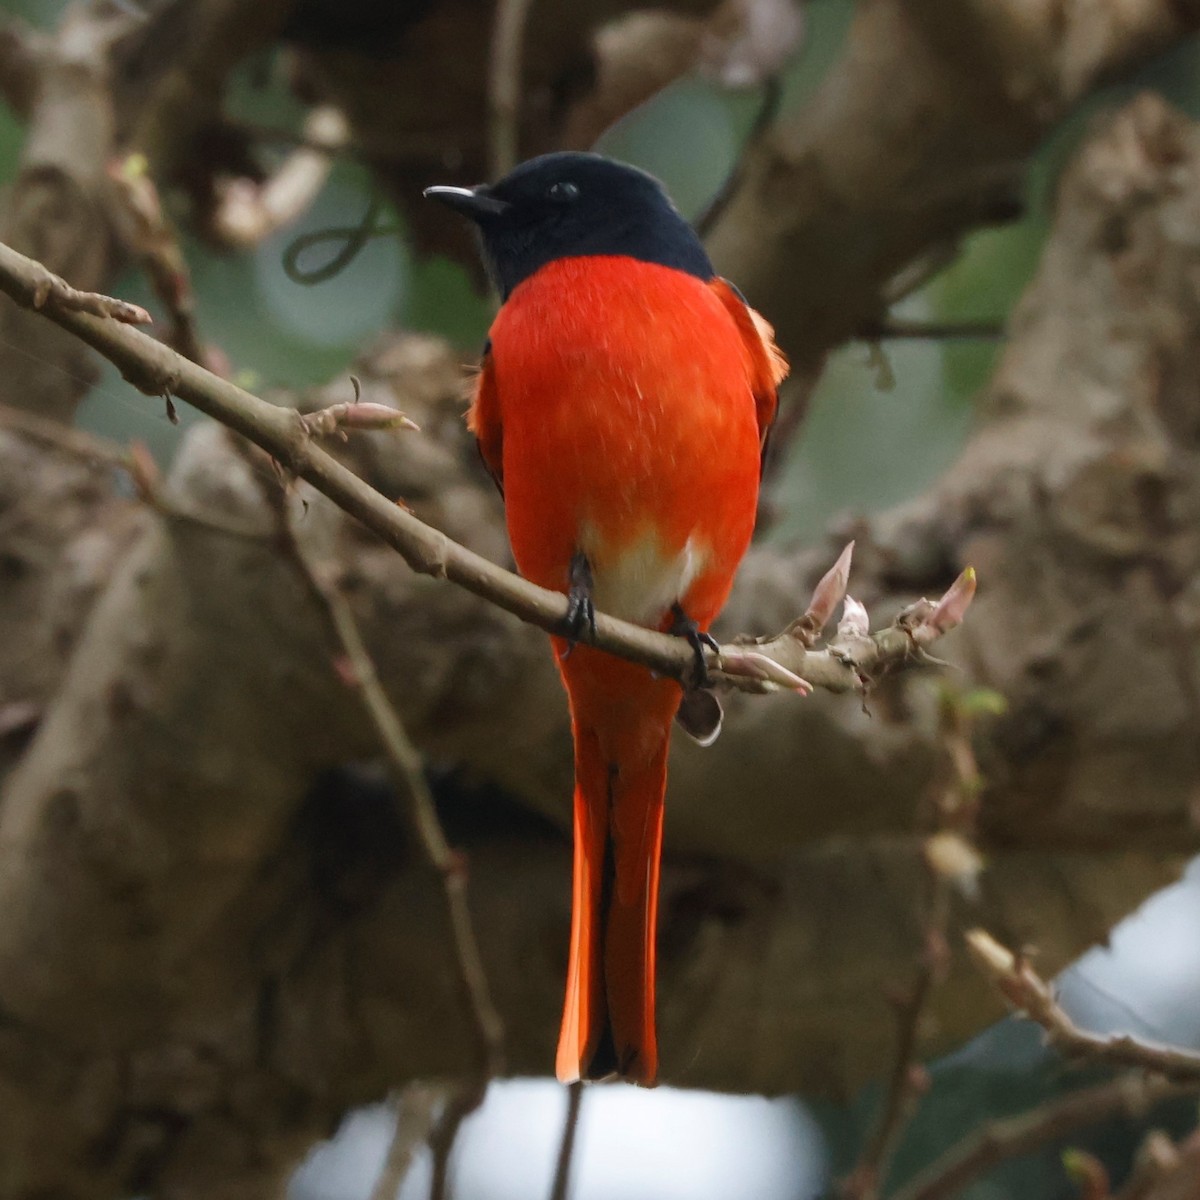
(620,782)
(585,1011)
(629,939)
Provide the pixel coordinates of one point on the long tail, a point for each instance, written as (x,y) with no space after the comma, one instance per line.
(621,719)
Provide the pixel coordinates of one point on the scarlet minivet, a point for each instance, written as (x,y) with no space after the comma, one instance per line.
(623,405)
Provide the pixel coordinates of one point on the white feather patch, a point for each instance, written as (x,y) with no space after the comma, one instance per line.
(641,582)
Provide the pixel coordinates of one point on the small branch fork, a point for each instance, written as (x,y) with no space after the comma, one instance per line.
(1028,993)
(1154,1073)
(851,662)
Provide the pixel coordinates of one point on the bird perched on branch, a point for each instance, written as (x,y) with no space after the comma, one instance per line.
(623,406)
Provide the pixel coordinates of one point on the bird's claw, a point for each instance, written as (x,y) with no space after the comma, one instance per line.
(581,610)
(683,626)
(581,615)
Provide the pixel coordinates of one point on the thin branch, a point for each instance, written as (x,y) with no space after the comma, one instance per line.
(460,1105)
(561,1187)
(899,329)
(764,118)
(358,670)
(408,774)
(1131,1096)
(408,771)
(152,239)
(1027,992)
(909,1080)
(414,1109)
(948,862)
(76,443)
(1164,1170)
(504,85)
(851,662)
(135,460)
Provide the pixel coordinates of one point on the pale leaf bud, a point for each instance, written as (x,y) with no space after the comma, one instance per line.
(752,665)
(827,595)
(951,857)
(950,609)
(855,622)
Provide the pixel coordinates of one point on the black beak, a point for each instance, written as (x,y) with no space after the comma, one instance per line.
(474,203)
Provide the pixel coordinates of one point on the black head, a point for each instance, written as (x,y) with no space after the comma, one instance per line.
(569,205)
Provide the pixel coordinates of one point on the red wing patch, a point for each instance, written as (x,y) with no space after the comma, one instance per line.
(483,419)
(768,366)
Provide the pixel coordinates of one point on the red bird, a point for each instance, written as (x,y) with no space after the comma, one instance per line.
(623,406)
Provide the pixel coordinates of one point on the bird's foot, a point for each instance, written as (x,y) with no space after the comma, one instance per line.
(683,626)
(581,611)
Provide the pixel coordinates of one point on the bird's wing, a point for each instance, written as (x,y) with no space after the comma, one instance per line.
(768,366)
(483,420)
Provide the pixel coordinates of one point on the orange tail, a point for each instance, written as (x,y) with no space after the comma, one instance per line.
(621,719)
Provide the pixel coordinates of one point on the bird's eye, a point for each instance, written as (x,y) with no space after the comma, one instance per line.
(563,193)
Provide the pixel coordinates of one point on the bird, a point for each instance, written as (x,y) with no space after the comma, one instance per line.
(622,406)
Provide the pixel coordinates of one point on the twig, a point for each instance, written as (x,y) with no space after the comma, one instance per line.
(134,459)
(409,775)
(153,239)
(414,1109)
(996,1142)
(916,274)
(1028,993)
(248,211)
(1163,1170)
(53,294)
(357,669)
(421,812)
(948,861)
(77,443)
(560,1189)
(909,1080)
(19,716)
(459,1105)
(897,328)
(851,661)
(764,118)
(504,85)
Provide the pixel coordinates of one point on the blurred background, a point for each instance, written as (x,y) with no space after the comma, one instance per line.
(916,396)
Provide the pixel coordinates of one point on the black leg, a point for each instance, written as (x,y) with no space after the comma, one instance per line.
(683,626)
(581,612)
